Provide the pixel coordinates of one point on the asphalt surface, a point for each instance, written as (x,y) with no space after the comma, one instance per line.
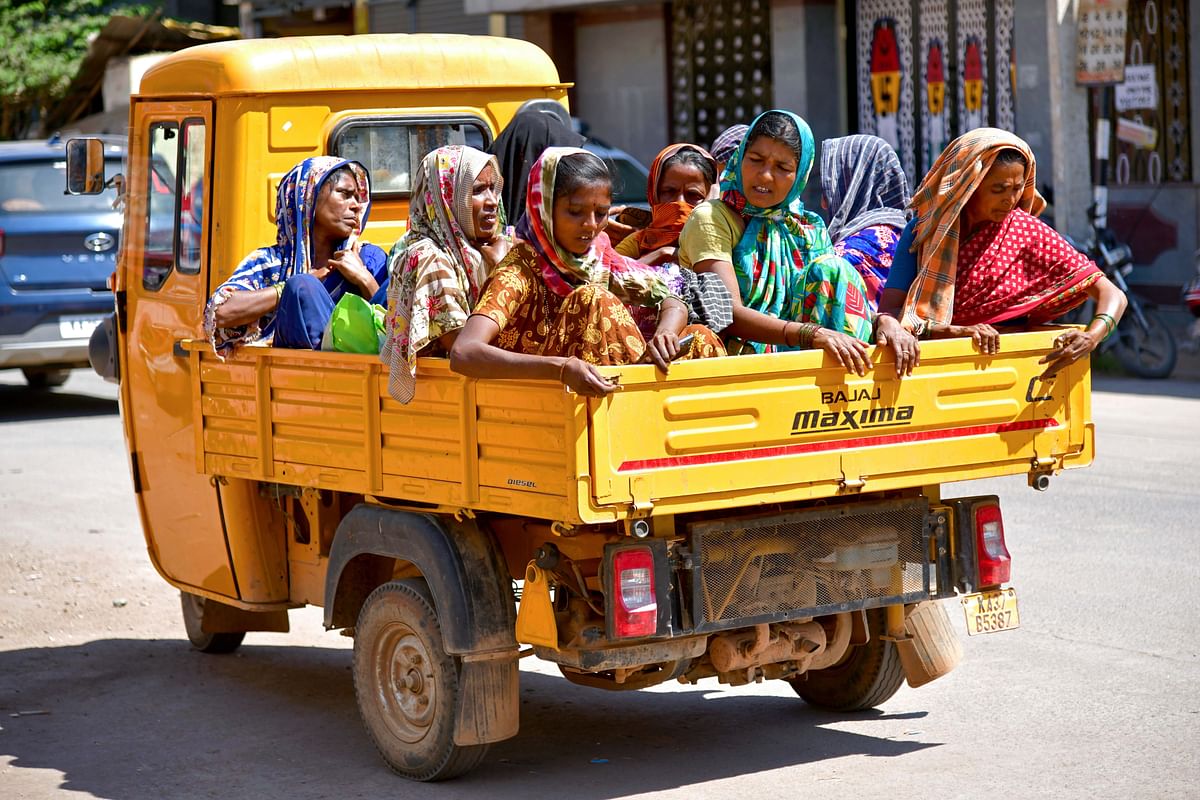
(1096,695)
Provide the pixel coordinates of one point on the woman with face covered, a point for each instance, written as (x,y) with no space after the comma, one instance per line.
(976,255)
(284,294)
(455,238)
(790,290)
(557,305)
(680,178)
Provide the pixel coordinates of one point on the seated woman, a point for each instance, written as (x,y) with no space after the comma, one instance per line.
(284,294)
(438,268)
(865,190)
(790,290)
(556,305)
(680,179)
(976,255)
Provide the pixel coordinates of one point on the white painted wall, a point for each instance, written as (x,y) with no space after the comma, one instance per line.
(788,54)
(622,84)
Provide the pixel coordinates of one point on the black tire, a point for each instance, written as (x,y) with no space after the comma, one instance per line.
(215,643)
(407,685)
(1148,352)
(867,677)
(45,378)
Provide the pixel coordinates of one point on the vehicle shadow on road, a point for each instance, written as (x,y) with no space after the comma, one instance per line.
(133,719)
(19,403)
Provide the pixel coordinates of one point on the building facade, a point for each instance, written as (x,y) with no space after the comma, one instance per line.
(916,72)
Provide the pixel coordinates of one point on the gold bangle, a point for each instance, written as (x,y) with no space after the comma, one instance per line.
(278,291)
(562,369)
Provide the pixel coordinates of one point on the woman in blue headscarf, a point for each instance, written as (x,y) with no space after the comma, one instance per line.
(284,294)
(791,291)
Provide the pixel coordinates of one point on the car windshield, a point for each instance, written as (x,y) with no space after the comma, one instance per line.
(39,187)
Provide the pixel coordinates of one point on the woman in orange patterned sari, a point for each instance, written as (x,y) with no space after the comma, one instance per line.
(556,305)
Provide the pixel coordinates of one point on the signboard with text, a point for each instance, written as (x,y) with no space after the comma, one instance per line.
(1100,51)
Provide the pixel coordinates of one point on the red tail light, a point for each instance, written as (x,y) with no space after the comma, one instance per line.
(635,610)
(995,565)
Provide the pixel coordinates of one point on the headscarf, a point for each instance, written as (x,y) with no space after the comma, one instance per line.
(727,142)
(519,145)
(437,273)
(295,207)
(938,204)
(633,282)
(865,184)
(782,244)
(669,218)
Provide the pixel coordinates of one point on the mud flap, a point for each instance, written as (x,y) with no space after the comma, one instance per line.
(488,699)
(932,648)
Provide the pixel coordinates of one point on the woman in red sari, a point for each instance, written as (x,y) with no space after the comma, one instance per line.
(975,256)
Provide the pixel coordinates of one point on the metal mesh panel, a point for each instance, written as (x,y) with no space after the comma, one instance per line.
(805,564)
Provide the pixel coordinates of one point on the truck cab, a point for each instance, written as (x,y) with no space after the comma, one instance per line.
(741,519)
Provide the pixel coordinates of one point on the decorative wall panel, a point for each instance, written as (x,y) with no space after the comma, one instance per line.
(1158,37)
(884,42)
(720,66)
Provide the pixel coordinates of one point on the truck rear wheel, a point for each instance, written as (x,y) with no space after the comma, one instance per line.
(407,685)
(193,615)
(867,677)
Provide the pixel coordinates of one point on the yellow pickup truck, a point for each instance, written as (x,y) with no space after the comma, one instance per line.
(747,518)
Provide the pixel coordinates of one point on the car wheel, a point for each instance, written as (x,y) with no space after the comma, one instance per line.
(45,378)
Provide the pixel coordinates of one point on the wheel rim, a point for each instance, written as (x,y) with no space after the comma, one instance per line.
(405,682)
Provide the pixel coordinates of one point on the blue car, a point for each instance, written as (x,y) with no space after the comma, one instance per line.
(56,254)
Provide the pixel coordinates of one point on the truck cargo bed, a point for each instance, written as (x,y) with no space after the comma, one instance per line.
(716,433)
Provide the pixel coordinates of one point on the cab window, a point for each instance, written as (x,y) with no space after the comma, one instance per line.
(174,192)
(392,149)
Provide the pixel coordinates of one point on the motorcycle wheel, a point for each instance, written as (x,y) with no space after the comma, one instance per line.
(1149,351)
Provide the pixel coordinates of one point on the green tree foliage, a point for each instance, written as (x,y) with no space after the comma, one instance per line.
(44,43)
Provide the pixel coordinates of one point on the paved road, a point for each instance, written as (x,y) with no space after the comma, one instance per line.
(1097,695)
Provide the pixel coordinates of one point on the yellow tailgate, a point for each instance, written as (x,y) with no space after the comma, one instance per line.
(794,426)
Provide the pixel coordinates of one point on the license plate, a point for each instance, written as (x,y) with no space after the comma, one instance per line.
(77,327)
(990,612)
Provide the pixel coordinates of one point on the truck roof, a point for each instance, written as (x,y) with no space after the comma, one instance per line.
(369,62)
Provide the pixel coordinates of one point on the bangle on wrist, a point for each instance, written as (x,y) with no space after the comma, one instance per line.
(278,291)
(808,332)
(562,369)
(1109,323)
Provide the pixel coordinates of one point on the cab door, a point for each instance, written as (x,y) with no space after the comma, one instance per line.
(166,248)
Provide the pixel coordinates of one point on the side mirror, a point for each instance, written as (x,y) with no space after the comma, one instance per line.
(85,166)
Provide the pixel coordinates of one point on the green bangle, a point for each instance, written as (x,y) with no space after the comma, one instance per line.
(1110,324)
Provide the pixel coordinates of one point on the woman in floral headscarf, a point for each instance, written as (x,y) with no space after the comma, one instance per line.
(455,238)
(790,290)
(284,294)
(556,305)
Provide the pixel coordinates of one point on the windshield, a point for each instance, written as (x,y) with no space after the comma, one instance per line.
(39,187)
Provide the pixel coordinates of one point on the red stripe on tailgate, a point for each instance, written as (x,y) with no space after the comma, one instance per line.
(844,444)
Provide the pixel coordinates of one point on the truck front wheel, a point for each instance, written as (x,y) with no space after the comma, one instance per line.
(407,685)
(867,677)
